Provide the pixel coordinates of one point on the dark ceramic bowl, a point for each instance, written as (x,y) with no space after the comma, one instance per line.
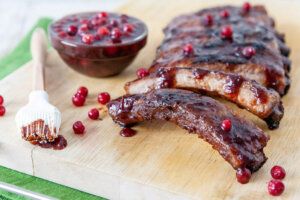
(98,44)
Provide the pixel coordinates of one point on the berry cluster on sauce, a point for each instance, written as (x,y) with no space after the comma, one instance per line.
(86,41)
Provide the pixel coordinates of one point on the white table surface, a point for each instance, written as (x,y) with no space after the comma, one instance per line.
(17,17)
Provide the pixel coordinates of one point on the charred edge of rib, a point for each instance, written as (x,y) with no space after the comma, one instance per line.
(254,168)
(274,118)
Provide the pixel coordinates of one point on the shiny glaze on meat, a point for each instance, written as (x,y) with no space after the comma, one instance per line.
(242,146)
(246,93)
(268,66)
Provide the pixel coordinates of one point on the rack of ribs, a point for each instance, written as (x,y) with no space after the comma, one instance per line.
(254,79)
(242,146)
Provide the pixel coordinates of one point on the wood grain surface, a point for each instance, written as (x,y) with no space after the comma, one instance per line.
(162,161)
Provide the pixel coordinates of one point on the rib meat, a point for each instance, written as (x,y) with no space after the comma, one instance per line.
(242,146)
(246,93)
(269,67)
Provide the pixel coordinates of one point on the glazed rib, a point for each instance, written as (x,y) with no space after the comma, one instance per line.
(269,66)
(242,146)
(246,93)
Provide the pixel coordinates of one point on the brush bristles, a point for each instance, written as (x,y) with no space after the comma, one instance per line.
(39,121)
(39,131)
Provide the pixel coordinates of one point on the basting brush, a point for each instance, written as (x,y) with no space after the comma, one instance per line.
(38,121)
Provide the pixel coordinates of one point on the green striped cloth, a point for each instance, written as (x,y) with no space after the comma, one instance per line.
(18,57)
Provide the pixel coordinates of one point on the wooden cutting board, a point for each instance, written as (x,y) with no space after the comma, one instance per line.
(162,161)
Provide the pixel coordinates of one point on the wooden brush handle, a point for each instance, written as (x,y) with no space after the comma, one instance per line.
(38,46)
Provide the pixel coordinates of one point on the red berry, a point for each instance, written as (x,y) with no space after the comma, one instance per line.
(246,6)
(83,29)
(127,132)
(83,21)
(78,99)
(2,110)
(127,28)
(277,172)
(103,98)
(116,34)
(62,34)
(142,73)
(96,21)
(103,30)
(113,22)
(275,187)
(102,14)
(72,30)
(243,175)
(248,52)
(124,18)
(78,127)
(98,36)
(226,32)
(226,125)
(208,19)
(83,91)
(93,114)
(224,13)
(103,20)
(88,38)
(188,49)
(87,25)
(1,100)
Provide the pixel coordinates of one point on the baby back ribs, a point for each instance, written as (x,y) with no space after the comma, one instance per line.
(242,146)
(246,93)
(269,66)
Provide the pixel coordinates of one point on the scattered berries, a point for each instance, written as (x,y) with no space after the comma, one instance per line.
(78,127)
(277,172)
(2,110)
(93,114)
(83,91)
(78,99)
(275,187)
(243,175)
(103,98)
(1,100)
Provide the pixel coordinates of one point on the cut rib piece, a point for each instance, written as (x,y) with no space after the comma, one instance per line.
(242,146)
(246,93)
